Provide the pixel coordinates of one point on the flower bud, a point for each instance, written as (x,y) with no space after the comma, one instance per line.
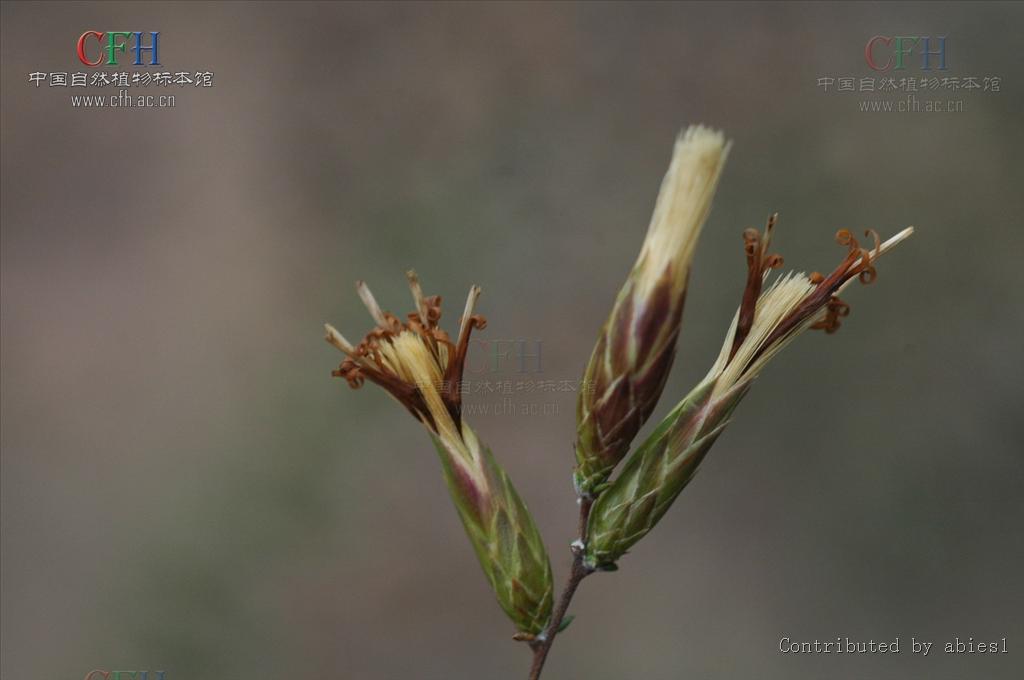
(637,344)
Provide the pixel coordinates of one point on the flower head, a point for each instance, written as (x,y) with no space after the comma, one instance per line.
(416,362)
(769,320)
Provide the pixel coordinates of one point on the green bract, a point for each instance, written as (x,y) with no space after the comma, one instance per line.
(503,535)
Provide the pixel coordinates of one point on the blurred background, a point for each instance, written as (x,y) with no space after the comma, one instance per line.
(185,488)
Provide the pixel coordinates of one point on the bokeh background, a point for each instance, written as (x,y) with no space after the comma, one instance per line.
(185,488)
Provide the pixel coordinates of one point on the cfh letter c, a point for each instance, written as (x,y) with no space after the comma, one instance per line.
(869,56)
(82,58)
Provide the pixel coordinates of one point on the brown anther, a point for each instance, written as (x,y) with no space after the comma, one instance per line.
(442,337)
(759,262)
(828,324)
(845,238)
(834,310)
(858,262)
(433,306)
(414,324)
(751,239)
(394,325)
(349,370)
(864,270)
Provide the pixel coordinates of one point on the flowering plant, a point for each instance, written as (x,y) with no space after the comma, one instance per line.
(419,365)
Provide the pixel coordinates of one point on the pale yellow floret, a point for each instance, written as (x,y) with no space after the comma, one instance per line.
(474,293)
(417,294)
(408,356)
(337,339)
(774,305)
(683,203)
(371,304)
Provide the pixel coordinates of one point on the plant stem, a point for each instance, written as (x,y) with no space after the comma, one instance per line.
(577,573)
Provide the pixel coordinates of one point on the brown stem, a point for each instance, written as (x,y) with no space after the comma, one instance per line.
(577,573)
